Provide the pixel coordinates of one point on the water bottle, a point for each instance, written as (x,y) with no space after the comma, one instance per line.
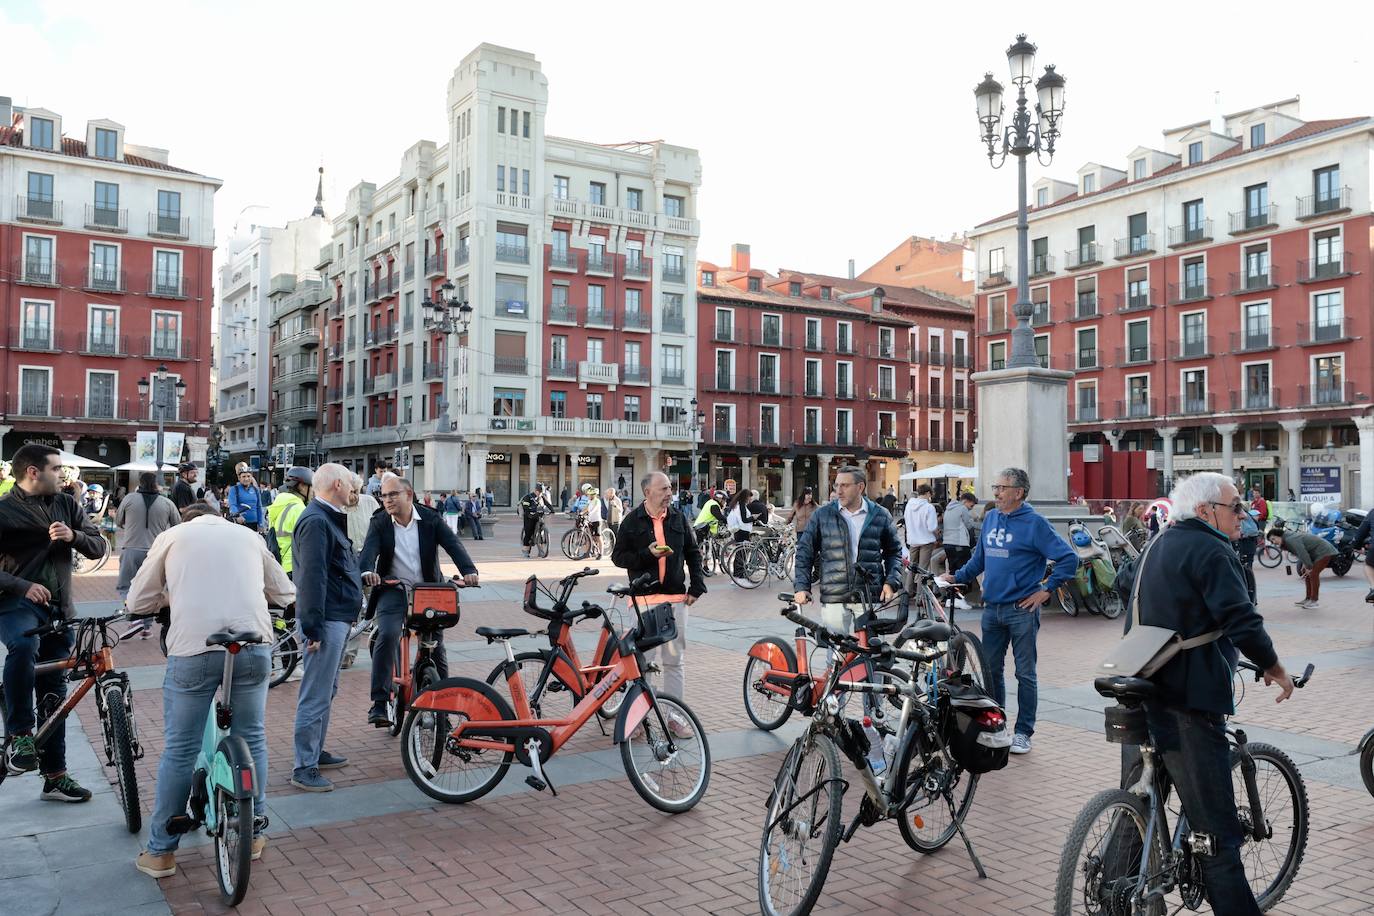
(877,761)
(890,749)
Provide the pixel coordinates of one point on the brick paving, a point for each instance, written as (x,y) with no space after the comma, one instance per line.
(598,848)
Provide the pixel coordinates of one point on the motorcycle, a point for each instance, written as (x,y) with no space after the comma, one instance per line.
(1093,586)
(1336,528)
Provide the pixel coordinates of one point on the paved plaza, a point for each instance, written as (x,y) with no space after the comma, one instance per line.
(376,845)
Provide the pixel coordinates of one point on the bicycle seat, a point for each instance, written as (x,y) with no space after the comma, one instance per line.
(927,631)
(225,637)
(491,634)
(1119,687)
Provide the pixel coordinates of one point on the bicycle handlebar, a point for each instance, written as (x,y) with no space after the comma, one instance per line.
(1298,682)
(851,644)
(61,624)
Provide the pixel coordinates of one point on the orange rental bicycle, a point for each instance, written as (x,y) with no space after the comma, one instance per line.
(431,607)
(460,737)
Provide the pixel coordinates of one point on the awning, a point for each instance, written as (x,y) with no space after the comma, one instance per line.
(139,466)
(72,460)
(962,472)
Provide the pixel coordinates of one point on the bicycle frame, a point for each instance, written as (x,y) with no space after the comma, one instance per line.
(783,681)
(213,768)
(100,668)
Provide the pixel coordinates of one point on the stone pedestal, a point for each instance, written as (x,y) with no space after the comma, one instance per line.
(1023,423)
(443,465)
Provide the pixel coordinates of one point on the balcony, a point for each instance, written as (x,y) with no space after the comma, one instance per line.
(350,388)
(1245,282)
(512,200)
(930,358)
(723,381)
(352,343)
(637,269)
(1040,314)
(336,353)
(600,317)
(296,413)
(1316,206)
(1041,265)
(1317,270)
(306,375)
(511,308)
(844,392)
(407,375)
(305,337)
(1135,246)
(846,347)
(1085,413)
(510,365)
(635,375)
(380,383)
(1191,406)
(432,371)
(772,385)
(674,324)
(634,321)
(1322,332)
(1255,341)
(892,351)
(1133,356)
(1137,301)
(513,254)
(163,286)
(889,442)
(997,322)
(598,262)
(409,271)
(352,297)
(68,407)
(461,254)
(1136,409)
(106,219)
(672,377)
(562,313)
(1193,348)
(1088,359)
(885,393)
(1326,395)
(1085,305)
(436,264)
(37,337)
(166,346)
(333,394)
(1190,234)
(110,344)
(590,373)
(562,259)
(37,272)
(771,339)
(815,343)
(39,209)
(1256,219)
(601,213)
(379,336)
(962,360)
(725,334)
(105,280)
(1196,290)
(436,213)
(1256,400)
(1086,255)
(372,293)
(172,226)
(991,279)
(674,275)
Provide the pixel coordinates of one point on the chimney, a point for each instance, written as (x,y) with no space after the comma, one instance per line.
(878,294)
(1218,125)
(851,268)
(739,257)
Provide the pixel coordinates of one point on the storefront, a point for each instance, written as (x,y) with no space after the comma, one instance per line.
(16,439)
(588,471)
(499,482)
(546,472)
(769,481)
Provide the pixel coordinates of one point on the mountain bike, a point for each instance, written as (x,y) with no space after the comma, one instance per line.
(92,663)
(923,787)
(772,553)
(578,542)
(539,543)
(461,735)
(224,783)
(1118,859)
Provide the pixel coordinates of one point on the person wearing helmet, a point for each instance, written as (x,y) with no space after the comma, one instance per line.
(184,491)
(286,509)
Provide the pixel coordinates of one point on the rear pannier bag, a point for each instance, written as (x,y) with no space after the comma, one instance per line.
(975,727)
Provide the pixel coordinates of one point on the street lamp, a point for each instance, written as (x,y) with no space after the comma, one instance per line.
(402,453)
(163,401)
(694,426)
(1020,139)
(319,450)
(447,316)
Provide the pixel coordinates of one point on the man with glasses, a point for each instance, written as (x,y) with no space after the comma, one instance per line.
(1011,555)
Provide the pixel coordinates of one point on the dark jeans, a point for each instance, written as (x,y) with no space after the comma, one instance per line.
(390,618)
(956,557)
(1008,625)
(17,615)
(475,524)
(1247,548)
(527,532)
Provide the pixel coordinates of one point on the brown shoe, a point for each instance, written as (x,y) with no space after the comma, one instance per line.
(163,866)
(259,844)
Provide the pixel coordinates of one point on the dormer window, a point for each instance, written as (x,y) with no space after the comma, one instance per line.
(1195,152)
(1042,197)
(794,288)
(1089,183)
(755,285)
(41,129)
(1256,135)
(708,278)
(1139,169)
(106,143)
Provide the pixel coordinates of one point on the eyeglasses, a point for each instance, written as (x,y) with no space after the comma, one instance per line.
(394,493)
(999,487)
(1236,507)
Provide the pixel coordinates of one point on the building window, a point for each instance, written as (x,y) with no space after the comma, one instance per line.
(37,330)
(500,178)
(596,349)
(632,408)
(1330,257)
(1256,320)
(708,278)
(1137,341)
(1194,226)
(772,330)
(1087,402)
(1138,396)
(813,426)
(106,143)
(1087,244)
(595,406)
(1256,266)
(997,265)
(1138,169)
(1328,380)
(844,337)
(525,124)
(768,425)
(508,402)
(501,120)
(768,373)
(755,284)
(102,330)
(100,394)
(1194,278)
(1326,186)
(42,133)
(40,196)
(1040,255)
(560,187)
(1256,205)
(597,192)
(1257,386)
(1042,352)
(813,378)
(1256,135)
(813,334)
(887,387)
(674,206)
(106,203)
(1195,391)
(997,354)
(634,199)
(1195,152)
(825,292)
(1089,183)
(1328,316)
(166,335)
(670,410)
(169,212)
(1194,329)
(35,392)
(1042,197)
(524,182)
(632,350)
(104,268)
(1087,348)
(1137,230)
(794,288)
(1138,288)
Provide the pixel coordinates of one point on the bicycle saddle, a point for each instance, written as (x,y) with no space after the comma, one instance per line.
(927,631)
(1118,687)
(225,637)
(491,634)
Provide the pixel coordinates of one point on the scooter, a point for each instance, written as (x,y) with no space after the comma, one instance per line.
(1092,587)
(1334,527)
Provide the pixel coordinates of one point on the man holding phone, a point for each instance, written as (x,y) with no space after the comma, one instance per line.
(656,538)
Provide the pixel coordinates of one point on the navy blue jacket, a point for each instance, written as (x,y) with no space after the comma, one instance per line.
(328,584)
(380,546)
(823,555)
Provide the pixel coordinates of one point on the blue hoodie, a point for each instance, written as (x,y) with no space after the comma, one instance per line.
(1012,552)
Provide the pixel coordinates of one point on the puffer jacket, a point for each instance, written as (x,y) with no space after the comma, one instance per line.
(823,551)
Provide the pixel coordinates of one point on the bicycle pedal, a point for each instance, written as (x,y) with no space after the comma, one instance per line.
(180,824)
(534,782)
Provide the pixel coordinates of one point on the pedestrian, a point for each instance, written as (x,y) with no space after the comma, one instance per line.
(6,481)
(759,508)
(921,528)
(563,498)
(595,513)
(1192,584)
(403,544)
(740,521)
(1314,554)
(247,579)
(473,509)
(360,509)
(1258,502)
(620,482)
(488,501)
(615,511)
(849,550)
(286,510)
(374,483)
(803,508)
(184,490)
(657,539)
(139,520)
(453,511)
(1015,545)
(1133,522)
(889,500)
(248,502)
(958,532)
(328,597)
(1246,548)
(533,506)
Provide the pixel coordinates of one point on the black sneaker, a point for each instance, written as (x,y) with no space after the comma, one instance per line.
(1369,598)
(23,755)
(378,717)
(64,789)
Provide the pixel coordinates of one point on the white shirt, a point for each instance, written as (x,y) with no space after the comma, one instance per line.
(855,520)
(214,575)
(735,520)
(594,509)
(920,522)
(405,561)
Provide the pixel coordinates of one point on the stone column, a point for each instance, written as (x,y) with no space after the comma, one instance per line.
(1293,430)
(608,469)
(823,477)
(788,497)
(1167,433)
(1227,431)
(746,472)
(534,468)
(477,466)
(1365,425)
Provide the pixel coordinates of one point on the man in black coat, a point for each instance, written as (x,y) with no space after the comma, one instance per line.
(403,543)
(184,491)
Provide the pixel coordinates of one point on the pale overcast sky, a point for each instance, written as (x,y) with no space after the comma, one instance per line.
(827,131)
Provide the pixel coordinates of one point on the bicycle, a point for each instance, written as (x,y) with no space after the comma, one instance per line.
(772,553)
(803,826)
(287,640)
(431,607)
(539,542)
(224,783)
(91,661)
(965,649)
(578,544)
(1129,866)
(474,734)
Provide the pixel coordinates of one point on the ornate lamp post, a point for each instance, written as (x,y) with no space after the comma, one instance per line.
(694,426)
(447,316)
(162,400)
(1020,139)
(319,451)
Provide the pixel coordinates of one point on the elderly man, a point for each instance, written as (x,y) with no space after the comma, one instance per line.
(246,581)
(1016,544)
(656,538)
(329,595)
(403,543)
(1195,587)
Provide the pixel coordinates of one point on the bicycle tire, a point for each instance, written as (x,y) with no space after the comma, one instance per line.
(427,677)
(119,738)
(1271,891)
(1269,556)
(966,656)
(233,845)
(1111,604)
(823,824)
(424,778)
(1366,761)
(566,543)
(286,655)
(935,763)
(752,564)
(539,659)
(766,709)
(1124,804)
(650,785)
(1067,602)
(541,542)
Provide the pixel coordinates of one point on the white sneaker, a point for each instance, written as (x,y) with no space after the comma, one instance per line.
(1021,744)
(1311,605)
(1301,602)
(961,605)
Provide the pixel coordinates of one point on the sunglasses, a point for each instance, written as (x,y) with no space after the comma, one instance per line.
(1236,507)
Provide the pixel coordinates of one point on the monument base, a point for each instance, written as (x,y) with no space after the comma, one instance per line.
(1023,423)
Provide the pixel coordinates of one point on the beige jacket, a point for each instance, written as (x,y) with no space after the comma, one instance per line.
(359,517)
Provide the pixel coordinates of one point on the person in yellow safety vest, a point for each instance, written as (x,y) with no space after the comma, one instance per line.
(6,481)
(286,509)
(711,515)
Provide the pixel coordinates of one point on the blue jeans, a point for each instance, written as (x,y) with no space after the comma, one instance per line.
(390,618)
(17,615)
(1003,625)
(188,693)
(319,684)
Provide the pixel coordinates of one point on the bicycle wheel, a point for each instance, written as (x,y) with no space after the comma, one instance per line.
(568,544)
(463,774)
(1271,864)
(607,540)
(966,657)
(1366,758)
(430,727)
(286,654)
(555,701)
(748,566)
(1100,865)
(1269,556)
(541,541)
(233,845)
(670,780)
(119,746)
(1068,602)
(787,564)
(766,708)
(801,829)
(924,771)
(1110,603)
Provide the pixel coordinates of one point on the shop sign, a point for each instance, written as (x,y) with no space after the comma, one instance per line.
(498,458)
(1339,456)
(1320,484)
(589,461)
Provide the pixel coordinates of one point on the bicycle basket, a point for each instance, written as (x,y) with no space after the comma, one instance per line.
(530,604)
(657,626)
(975,726)
(433,606)
(1126,724)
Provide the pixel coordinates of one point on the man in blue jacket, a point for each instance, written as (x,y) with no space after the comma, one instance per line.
(329,595)
(1016,544)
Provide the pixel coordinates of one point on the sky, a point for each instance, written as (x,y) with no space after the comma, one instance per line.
(826,131)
